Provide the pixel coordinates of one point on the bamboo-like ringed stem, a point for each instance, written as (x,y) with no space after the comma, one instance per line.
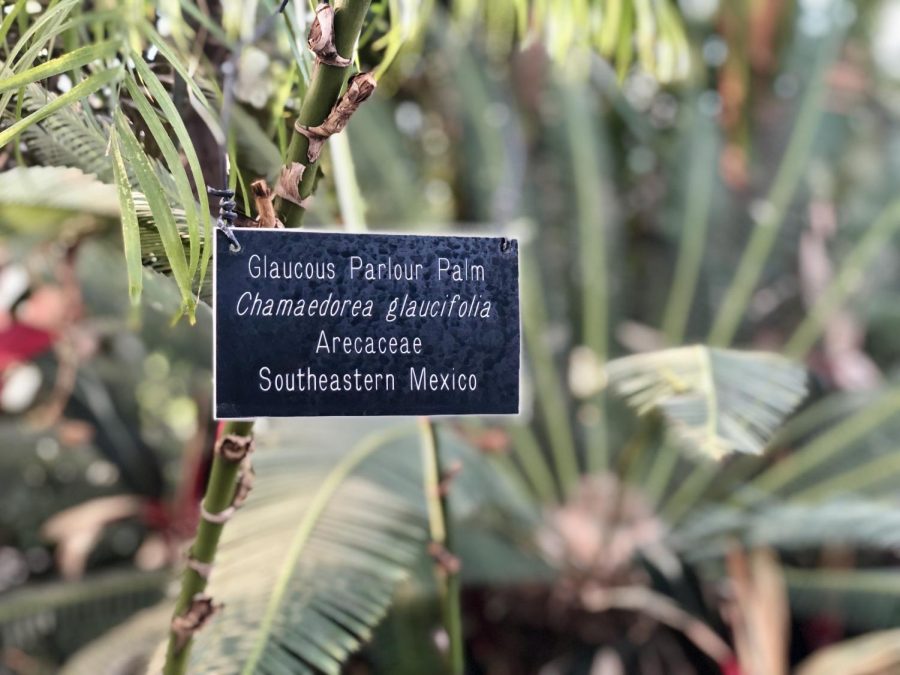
(324,90)
(323,93)
(446,565)
(220,492)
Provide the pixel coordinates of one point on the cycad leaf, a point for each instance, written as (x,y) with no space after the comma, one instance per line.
(67,138)
(125,649)
(65,615)
(54,188)
(716,400)
(846,521)
(309,566)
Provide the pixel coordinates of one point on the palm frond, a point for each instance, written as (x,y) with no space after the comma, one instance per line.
(66,138)
(309,566)
(49,190)
(55,188)
(716,400)
(62,616)
(124,650)
(851,522)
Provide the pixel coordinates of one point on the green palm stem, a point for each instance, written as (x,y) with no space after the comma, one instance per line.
(324,90)
(219,496)
(593,256)
(701,180)
(323,93)
(446,567)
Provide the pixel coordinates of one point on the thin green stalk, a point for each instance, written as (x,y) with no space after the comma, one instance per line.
(700,182)
(877,581)
(769,222)
(547,381)
(219,495)
(350,200)
(324,90)
(320,97)
(690,491)
(534,465)
(660,474)
(846,282)
(860,479)
(439,525)
(584,146)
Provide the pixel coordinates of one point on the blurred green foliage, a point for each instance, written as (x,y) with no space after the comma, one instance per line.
(751,204)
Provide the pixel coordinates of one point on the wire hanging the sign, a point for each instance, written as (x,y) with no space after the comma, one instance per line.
(227,204)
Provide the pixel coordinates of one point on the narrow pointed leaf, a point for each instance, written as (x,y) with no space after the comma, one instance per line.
(76,93)
(162,211)
(131,237)
(173,163)
(75,59)
(164,101)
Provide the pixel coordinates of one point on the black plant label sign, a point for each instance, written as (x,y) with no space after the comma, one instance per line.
(316,324)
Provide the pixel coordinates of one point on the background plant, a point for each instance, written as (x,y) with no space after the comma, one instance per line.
(648,200)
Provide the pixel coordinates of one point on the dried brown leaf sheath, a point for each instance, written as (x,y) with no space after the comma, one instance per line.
(234,448)
(244,484)
(448,562)
(321,38)
(197,615)
(288,183)
(359,88)
(262,196)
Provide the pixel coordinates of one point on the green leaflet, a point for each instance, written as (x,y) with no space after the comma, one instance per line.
(164,101)
(202,105)
(70,612)
(131,236)
(9,19)
(48,26)
(162,211)
(76,93)
(326,541)
(75,59)
(173,162)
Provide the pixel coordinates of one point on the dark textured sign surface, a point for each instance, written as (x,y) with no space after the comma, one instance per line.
(310,323)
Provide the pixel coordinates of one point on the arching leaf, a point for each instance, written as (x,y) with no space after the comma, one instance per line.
(717,401)
(309,565)
(65,615)
(124,650)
